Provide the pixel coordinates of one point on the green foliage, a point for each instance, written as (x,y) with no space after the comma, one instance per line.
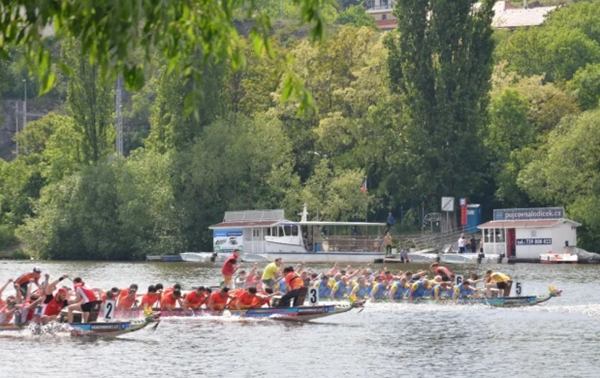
(440,63)
(356,15)
(123,37)
(586,86)
(90,100)
(567,172)
(566,42)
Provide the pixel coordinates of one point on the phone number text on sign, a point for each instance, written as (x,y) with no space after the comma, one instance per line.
(534,241)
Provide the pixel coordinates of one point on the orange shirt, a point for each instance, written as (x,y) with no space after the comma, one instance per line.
(261,301)
(294,281)
(195,300)
(246,299)
(150,299)
(168,300)
(25,278)
(219,302)
(126,302)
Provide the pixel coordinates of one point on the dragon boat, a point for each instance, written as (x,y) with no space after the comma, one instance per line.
(297,314)
(93,328)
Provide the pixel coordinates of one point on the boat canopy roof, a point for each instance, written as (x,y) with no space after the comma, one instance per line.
(538,223)
(359,224)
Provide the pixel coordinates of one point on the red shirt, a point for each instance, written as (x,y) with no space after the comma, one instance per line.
(25,278)
(229,266)
(85,292)
(52,306)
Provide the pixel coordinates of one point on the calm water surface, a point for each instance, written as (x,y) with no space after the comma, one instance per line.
(557,339)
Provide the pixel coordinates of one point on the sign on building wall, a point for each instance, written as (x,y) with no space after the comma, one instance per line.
(228,239)
(529,214)
(534,241)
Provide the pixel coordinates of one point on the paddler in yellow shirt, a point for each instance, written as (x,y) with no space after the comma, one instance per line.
(497,280)
(271,272)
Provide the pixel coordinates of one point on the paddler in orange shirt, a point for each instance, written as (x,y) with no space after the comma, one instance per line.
(24,279)
(218,300)
(295,288)
(129,300)
(150,298)
(170,300)
(194,299)
(246,299)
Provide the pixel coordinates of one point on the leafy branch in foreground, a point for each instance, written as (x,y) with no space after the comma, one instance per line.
(122,37)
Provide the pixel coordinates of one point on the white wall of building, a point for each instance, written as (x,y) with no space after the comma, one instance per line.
(537,240)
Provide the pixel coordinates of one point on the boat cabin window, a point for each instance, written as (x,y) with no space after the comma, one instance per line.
(281,233)
(294,230)
(256,232)
(288,230)
(267,231)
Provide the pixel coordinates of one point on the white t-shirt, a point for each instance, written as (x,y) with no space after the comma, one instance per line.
(461,242)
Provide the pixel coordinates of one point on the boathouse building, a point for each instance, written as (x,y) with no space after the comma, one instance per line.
(527,233)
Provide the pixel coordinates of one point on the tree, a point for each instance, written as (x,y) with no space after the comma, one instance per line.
(123,37)
(90,100)
(356,15)
(566,172)
(440,63)
(586,86)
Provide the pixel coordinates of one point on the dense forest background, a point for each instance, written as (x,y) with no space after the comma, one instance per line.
(448,107)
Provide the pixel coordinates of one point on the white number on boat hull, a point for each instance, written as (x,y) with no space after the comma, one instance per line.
(109,307)
(458,279)
(313,296)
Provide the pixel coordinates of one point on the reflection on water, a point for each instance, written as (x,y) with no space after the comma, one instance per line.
(556,339)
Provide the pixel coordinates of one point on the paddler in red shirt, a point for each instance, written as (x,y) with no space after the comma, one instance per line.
(194,299)
(128,298)
(229,267)
(442,271)
(86,298)
(295,288)
(218,300)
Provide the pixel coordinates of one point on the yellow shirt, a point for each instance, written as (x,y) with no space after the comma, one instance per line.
(499,277)
(270,272)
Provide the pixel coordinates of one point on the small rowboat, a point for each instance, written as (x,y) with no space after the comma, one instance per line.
(298,314)
(96,329)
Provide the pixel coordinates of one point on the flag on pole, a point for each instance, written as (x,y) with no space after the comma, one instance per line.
(363,188)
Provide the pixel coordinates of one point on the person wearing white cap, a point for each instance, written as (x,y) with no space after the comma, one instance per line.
(23,281)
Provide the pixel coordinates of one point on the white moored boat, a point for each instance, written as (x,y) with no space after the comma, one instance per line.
(264,235)
(558,258)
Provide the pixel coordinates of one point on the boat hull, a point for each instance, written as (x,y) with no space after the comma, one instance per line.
(321,257)
(99,329)
(494,302)
(301,313)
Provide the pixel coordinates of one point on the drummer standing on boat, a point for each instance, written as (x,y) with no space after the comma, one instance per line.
(271,272)
(229,267)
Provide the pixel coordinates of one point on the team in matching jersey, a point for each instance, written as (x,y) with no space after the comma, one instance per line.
(43,302)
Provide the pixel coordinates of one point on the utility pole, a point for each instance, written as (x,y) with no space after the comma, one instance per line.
(24,110)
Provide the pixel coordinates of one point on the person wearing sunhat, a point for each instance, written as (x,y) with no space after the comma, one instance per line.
(23,281)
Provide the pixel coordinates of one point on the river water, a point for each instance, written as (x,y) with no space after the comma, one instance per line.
(555,339)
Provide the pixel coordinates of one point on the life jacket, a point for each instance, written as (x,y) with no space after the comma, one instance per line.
(398,290)
(378,291)
(324,289)
(339,290)
(419,290)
